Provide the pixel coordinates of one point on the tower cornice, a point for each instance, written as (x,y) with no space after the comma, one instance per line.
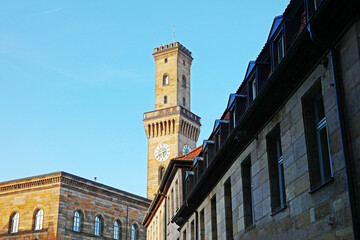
(170,111)
(172,46)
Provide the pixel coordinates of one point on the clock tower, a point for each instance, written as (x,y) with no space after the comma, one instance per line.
(172,129)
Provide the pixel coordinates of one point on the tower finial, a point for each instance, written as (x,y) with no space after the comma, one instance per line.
(174,33)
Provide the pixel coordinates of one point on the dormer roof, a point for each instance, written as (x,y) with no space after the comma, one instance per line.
(276,23)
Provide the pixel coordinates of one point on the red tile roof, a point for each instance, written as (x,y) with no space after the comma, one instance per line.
(190,155)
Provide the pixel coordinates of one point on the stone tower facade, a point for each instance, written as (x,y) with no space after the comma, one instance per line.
(172,129)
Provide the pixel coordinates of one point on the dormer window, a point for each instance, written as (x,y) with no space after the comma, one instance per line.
(218,141)
(312,5)
(233,114)
(165,80)
(279,45)
(253,89)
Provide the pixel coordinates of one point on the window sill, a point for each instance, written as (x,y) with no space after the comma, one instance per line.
(321,185)
(278,210)
(249,228)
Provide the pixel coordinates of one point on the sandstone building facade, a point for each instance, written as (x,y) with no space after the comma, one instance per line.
(64,206)
(171,129)
(282,161)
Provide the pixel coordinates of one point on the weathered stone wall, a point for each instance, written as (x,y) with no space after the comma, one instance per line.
(93,200)
(350,67)
(26,197)
(59,195)
(320,214)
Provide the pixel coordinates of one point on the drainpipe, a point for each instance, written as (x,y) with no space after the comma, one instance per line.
(344,132)
(166,223)
(127,221)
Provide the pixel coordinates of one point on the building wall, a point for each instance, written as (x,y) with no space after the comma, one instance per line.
(59,195)
(94,201)
(350,67)
(321,214)
(156,228)
(26,197)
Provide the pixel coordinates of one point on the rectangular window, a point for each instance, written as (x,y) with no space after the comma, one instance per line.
(228,210)
(213,218)
(192,230)
(184,102)
(172,202)
(253,89)
(202,225)
(233,118)
(280,48)
(316,135)
(177,200)
(218,141)
(276,170)
(169,208)
(247,193)
(184,235)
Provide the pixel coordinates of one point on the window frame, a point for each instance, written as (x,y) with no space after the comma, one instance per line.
(166,80)
(14,222)
(319,161)
(183,81)
(98,226)
(117,232)
(276,170)
(248,194)
(38,219)
(134,234)
(77,221)
(213,217)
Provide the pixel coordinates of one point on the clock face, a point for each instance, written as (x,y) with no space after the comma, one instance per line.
(162,152)
(186,149)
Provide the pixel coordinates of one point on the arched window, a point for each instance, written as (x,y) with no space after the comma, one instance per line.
(165,99)
(14,225)
(39,217)
(97,231)
(134,232)
(165,80)
(161,173)
(77,221)
(117,229)
(183,81)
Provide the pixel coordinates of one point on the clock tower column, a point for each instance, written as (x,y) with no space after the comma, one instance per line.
(172,129)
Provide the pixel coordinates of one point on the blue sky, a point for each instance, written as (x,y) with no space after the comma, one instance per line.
(77,76)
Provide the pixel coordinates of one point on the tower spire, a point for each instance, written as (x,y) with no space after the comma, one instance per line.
(174,33)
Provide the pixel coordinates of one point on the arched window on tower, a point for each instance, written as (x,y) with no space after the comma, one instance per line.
(165,99)
(166,79)
(161,173)
(14,224)
(39,217)
(134,232)
(183,81)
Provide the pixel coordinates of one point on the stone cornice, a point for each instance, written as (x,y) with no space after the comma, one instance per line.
(66,179)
